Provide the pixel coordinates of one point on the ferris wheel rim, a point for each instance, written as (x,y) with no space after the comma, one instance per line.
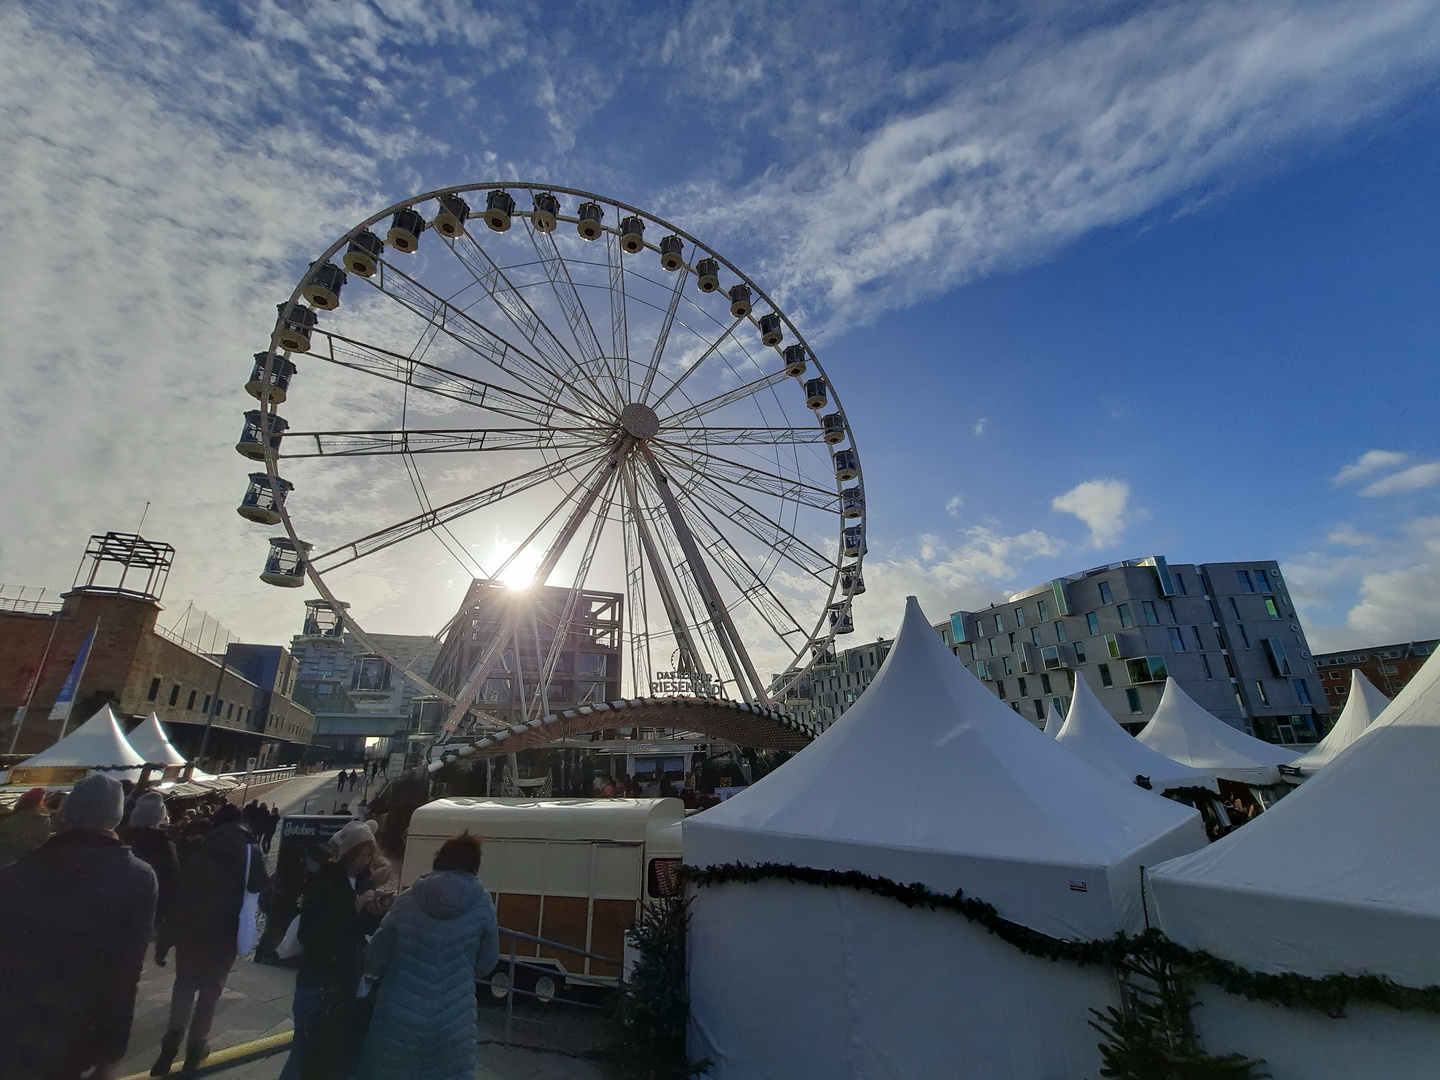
(817,641)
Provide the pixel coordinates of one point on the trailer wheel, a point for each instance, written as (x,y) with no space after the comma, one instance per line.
(545,988)
(500,982)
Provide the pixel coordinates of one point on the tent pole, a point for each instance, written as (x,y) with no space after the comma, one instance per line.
(34,685)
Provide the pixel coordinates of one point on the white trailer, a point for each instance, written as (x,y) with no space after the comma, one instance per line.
(572,871)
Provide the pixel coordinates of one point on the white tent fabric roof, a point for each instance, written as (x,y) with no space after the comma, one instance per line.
(150,742)
(99,742)
(929,777)
(1184,732)
(1053,720)
(1362,708)
(1092,733)
(1340,875)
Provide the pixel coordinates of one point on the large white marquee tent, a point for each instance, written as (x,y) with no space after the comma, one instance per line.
(1092,733)
(98,743)
(150,742)
(927,778)
(1185,732)
(1362,708)
(1339,877)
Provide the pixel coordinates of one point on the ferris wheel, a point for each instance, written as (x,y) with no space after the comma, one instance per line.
(620,401)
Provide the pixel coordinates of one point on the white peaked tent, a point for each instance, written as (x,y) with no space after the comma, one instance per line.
(1093,734)
(1184,732)
(927,778)
(1339,877)
(1362,707)
(100,741)
(150,742)
(1053,720)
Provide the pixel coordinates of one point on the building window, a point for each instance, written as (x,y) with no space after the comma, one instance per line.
(1043,610)
(1024,688)
(1105,597)
(1012,641)
(1205,663)
(1015,705)
(1000,688)
(206,709)
(1302,692)
(1146,669)
(1045,683)
(1125,618)
(154,690)
(1152,618)
(982,669)
(1199,645)
(1179,582)
(1040,709)
(1270,608)
(230,712)
(1019,616)
(1079,652)
(1245,583)
(1133,697)
(1060,631)
(1234,608)
(999,625)
(991,643)
(1275,654)
(1112,646)
(1229,665)
(1260,689)
(1263,581)
(191,703)
(1050,657)
(1177,641)
(174,694)
(1035,635)
(1244,636)
(1105,679)
(1005,663)
(1092,622)
(1170,607)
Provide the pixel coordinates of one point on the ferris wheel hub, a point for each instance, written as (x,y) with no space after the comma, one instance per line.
(639,421)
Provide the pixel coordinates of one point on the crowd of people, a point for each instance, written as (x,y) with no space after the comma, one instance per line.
(384,988)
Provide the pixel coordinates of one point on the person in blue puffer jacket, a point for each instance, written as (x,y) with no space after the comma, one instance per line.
(431,948)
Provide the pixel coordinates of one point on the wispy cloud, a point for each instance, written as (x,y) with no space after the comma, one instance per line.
(953,505)
(1411,479)
(979,427)
(1369,463)
(1101,504)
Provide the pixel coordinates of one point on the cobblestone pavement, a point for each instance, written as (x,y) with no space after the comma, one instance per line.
(256,1002)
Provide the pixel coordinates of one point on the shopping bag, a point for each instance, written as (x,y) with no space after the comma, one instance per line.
(249,934)
(290,946)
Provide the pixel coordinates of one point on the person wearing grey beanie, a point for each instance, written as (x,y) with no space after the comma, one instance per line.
(75,920)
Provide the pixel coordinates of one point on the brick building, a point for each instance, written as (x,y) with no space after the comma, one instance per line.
(1388,667)
(138,667)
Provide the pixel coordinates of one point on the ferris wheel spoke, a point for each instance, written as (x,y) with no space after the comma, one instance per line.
(663,337)
(522,316)
(416,374)
(744,436)
(739,393)
(436,441)
(709,352)
(468,331)
(756,592)
(568,297)
(619,324)
(756,479)
(768,531)
(600,478)
(383,538)
(636,602)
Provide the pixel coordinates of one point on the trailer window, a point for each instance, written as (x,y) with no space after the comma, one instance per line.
(664,877)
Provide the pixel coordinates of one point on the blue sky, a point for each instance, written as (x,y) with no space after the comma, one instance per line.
(1096,280)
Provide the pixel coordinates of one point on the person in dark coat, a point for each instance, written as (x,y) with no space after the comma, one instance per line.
(203,929)
(27,827)
(146,834)
(75,920)
(338,911)
(340,780)
(271,824)
(438,940)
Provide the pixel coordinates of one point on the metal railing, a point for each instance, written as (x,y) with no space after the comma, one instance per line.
(515,961)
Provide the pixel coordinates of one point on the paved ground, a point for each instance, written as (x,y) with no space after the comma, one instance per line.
(256,1002)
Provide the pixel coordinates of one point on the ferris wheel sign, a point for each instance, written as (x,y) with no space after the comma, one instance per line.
(625,398)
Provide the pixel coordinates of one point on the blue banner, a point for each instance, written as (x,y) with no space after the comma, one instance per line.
(66,701)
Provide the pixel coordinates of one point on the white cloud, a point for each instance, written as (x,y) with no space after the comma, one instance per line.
(1101,505)
(952,507)
(1378,589)
(1411,479)
(979,428)
(1372,461)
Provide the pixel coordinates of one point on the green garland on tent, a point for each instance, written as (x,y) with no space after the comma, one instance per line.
(1330,994)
